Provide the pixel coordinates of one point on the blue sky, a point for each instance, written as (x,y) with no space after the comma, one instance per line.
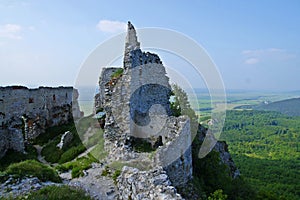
(255,44)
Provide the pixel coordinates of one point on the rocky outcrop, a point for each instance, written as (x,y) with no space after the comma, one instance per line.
(15,187)
(65,140)
(26,113)
(154,184)
(222,148)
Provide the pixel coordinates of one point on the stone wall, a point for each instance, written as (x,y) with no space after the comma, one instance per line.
(32,110)
(175,155)
(154,184)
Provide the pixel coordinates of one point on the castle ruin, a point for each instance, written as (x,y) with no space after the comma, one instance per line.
(136,102)
(26,113)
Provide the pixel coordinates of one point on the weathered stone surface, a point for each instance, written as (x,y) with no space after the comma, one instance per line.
(226,158)
(154,184)
(222,148)
(65,140)
(136,105)
(16,187)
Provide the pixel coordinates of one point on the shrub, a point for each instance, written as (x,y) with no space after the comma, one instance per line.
(33,168)
(217,195)
(58,192)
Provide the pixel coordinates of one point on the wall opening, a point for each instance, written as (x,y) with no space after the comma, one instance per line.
(30,100)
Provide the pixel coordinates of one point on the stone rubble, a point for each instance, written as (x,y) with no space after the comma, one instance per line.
(15,187)
(137,185)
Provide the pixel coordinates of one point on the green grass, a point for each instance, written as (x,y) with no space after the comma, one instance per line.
(33,168)
(58,192)
(71,153)
(117,73)
(15,157)
(77,166)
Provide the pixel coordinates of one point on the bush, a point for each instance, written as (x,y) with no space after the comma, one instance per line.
(58,192)
(217,195)
(33,168)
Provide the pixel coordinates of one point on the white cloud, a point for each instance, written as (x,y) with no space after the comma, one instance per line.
(271,54)
(258,52)
(109,26)
(251,61)
(10,31)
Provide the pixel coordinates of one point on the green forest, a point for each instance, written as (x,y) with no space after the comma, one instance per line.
(265,147)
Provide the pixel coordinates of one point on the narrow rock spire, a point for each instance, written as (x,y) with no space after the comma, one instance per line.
(131,42)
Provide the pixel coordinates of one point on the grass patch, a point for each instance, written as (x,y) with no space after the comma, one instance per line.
(33,168)
(15,157)
(58,192)
(71,153)
(77,166)
(117,73)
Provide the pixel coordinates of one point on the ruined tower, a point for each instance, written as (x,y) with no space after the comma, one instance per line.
(137,105)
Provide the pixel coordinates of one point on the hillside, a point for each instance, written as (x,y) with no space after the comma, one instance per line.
(265,147)
(290,107)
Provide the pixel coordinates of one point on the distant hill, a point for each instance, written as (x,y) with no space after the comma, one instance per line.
(290,107)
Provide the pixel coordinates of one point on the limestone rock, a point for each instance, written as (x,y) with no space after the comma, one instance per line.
(65,140)
(154,184)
